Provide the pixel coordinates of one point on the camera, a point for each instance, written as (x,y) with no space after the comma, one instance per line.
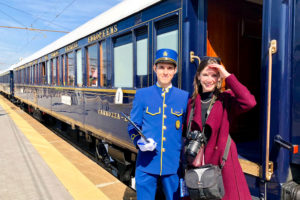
(194,140)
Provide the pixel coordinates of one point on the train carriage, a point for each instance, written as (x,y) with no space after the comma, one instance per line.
(7,83)
(89,76)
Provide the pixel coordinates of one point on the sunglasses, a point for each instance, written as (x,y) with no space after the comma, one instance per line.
(217,59)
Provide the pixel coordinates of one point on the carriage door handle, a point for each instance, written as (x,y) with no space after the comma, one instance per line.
(193,57)
(269,164)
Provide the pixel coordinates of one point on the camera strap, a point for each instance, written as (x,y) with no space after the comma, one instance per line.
(226,151)
(190,119)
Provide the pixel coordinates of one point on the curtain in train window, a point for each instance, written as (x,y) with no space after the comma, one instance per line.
(48,73)
(123,61)
(79,68)
(92,72)
(44,81)
(58,75)
(54,63)
(70,69)
(103,64)
(63,70)
(141,58)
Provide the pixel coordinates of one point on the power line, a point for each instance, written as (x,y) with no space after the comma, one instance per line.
(33,29)
(63,10)
(38,17)
(49,22)
(12,18)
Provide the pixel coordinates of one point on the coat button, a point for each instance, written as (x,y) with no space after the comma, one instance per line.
(165,116)
(164,139)
(216,147)
(165,105)
(164,127)
(163,149)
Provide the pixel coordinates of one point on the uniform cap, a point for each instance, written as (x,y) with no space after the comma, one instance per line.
(166,55)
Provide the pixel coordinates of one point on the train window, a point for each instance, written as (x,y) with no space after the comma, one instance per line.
(70,69)
(21,75)
(123,61)
(37,74)
(167,36)
(167,33)
(26,75)
(54,63)
(103,64)
(29,75)
(34,74)
(92,72)
(21,71)
(48,73)
(141,58)
(79,68)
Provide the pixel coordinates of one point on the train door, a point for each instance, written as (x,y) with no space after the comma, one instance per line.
(234,33)
(253,39)
(231,30)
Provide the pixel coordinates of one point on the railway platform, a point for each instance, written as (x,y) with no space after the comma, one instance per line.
(36,164)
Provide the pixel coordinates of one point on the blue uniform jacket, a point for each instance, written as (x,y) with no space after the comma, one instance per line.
(160,114)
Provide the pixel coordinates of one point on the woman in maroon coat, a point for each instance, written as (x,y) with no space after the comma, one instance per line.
(228,104)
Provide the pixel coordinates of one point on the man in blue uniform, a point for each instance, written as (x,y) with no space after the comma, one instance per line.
(159,110)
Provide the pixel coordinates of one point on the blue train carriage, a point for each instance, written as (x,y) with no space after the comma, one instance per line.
(90,75)
(7,83)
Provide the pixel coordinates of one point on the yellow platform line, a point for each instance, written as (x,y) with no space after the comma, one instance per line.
(78,185)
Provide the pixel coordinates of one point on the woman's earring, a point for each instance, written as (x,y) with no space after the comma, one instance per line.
(219,85)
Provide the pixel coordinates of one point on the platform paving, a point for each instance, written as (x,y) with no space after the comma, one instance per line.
(24,174)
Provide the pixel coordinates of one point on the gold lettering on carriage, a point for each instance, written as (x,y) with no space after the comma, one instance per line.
(54,54)
(109,114)
(103,33)
(71,46)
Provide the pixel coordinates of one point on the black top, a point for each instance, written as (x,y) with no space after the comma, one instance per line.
(206,99)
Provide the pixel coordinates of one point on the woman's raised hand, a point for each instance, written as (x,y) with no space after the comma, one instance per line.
(223,72)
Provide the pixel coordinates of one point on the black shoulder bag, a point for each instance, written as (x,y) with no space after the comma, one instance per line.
(206,182)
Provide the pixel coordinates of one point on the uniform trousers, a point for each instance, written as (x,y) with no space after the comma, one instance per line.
(146,185)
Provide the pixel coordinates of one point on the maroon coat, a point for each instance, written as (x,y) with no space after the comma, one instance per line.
(228,105)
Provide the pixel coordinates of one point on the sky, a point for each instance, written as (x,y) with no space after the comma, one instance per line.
(54,15)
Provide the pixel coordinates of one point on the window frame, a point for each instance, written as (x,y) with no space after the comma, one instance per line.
(87,72)
(113,45)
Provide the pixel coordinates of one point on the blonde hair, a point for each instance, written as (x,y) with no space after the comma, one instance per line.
(197,85)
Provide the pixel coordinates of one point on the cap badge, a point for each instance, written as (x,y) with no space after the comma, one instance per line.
(165,53)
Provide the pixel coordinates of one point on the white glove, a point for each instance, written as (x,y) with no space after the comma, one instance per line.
(146,146)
